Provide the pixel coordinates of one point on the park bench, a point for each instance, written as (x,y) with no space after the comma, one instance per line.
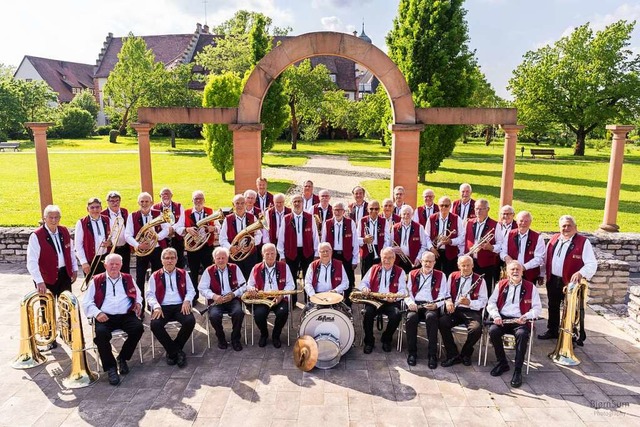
(14,145)
(543,152)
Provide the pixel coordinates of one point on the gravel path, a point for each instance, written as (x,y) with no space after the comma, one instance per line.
(333,173)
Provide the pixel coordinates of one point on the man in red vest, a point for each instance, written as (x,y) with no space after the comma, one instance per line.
(427,291)
(308,198)
(468,292)
(525,246)
(118,219)
(385,277)
(486,259)
(372,237)
(169,298)
(325,274)
(569,258)
(222,285)
(114,302)
(464,207)
(410,239)
(398,199)
(264,198)
(92,238)
(422,213)
(270,275)
(275,218)
(233,224)
(173,239)
(517,300)
(445,233)
(323,210)
(359,207)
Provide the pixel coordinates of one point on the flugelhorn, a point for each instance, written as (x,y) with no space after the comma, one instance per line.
(191,243)
(478,246)
(244,242)
(442,237)
(367,232)
(37,328)
(148,233)
(375,299)
(266,297)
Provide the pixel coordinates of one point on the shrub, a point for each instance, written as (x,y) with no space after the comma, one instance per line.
(76,122)
(86,101)
(103,130)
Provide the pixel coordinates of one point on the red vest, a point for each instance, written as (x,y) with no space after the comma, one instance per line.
(258,274)
(526,295)
(190,221)
(336,273)
(352,210)
(100,282)
(269,200)
(450,251)
(485,258)
(175,208)
(457,207)
(161,286)
(315,199)
(89,240)
(347,237)
(422,214)
(48,260)
(379,239)
(529,252)
(216,286)
(436,279)
(273,223)
(136,217)
(291,238)
(316,211)
(573,261)
(232,232)
(374,278)
(256,211)
(414,239)
(455,285)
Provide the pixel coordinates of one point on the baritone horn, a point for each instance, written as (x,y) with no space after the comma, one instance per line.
(244,242)
(191,243)
(37,328)
(148,233)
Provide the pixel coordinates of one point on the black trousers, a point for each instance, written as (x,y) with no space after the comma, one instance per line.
(413,320)
(234,309)
(489,274)
(142,263)
(521,332)
(447,266)
(392,311)
(300,263)
(130,324)
(348,268)
(125,252)
(187,322)
(260,313)
(555,296)
(368,262)
(177,243)
(199,259)
(63,283)
(472,319)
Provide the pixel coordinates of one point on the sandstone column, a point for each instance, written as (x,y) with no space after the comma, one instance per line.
(404,160)
(508,163)
(247,159)
(615,177)
(42,162)
(144,151)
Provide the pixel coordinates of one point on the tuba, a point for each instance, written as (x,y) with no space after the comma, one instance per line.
(244,240)
(70,327)
(148,233)
(574,298)
(192,244)
(37,328)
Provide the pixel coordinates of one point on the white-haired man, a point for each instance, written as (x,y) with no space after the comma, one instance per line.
(410,240)
(422,213)
(174,239)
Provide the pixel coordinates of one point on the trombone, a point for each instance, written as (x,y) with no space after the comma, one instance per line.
(95,262)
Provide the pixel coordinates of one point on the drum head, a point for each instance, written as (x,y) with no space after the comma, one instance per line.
(328,351)
(326,298)
(335,322)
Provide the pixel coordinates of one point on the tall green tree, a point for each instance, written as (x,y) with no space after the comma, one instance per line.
(375,115)
(583,81)
(134,78)
(341,113)
(429,41)
(221,91)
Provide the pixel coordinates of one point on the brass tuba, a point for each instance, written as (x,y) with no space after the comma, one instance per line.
(148,233)
(192,244)
(37,328)
(574,296)
(244,240)
(70,327)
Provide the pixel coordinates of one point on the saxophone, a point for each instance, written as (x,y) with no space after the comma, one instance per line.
(375,299)
(266,297)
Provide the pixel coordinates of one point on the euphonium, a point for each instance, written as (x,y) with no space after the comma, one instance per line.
(244,240)
(148,233)
(70,327)
(192,244)
(563,353)
(266,297)
(375,299)
(37,328)
(478,246)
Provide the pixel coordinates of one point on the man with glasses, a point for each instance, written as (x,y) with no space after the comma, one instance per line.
(525,246)
(174,239)
(323,210)
(372,237)
(422,213)
(410,239)
(325,274)
(92,239)
(118,218)
(275,218)
(485,258)
(445,233)
(398,199)
(390,218)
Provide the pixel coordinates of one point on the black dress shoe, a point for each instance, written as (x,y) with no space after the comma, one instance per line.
(368,349)
(114,378)
(499,369)
(433,362)
(222,345)
(181,359)
(386,347)
(262,341)
(411,360)
(172,360)
(466,360)
(516,380)
(277,343)
(548,336)
(236,345)
(451,361)
(123,368)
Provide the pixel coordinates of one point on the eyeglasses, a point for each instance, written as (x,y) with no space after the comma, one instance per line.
(507,213)
(374,209)
(444,206)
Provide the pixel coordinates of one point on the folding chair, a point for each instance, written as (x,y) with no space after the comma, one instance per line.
(116,333)
(173,325)
(512,338)
(207,322)
(249,311)
(402,330)
(385,320)
(462,330)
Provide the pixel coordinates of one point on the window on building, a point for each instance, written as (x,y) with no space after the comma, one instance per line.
(333,77)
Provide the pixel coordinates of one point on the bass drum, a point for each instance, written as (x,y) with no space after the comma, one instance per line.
(332,329)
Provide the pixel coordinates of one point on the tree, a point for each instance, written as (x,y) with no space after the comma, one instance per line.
(485,96)
(133,79)
(304,86)
(6,71)
(75,122)
(86,101)
(221,91)
(428,41)
(583,81)
(341,113)
(375,115)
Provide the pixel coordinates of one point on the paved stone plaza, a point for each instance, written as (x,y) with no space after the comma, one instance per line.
(261,386)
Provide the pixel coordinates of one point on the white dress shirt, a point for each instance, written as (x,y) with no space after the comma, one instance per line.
(33,255)
(241,224)
(325,280)
(511,306)
(270,280)
(442,230)
(298,220)
(307,204)
(588,258)
(429,212)
(205,283)
(405,238)
(538,254)
(338,239)
(424,289)
(464,210)
(171,294)
(116,300)
(385,277)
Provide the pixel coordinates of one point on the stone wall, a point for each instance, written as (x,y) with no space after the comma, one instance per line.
(13,244)
(624,246)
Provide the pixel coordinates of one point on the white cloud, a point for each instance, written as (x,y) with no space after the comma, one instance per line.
(332,23)
(628,12)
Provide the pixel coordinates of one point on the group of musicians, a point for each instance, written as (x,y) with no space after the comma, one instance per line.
(443,261)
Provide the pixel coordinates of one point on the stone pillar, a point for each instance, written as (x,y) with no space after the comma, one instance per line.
(42,162)
(404,160)
(508,163)
(615,177)
(247,159)
(144,151)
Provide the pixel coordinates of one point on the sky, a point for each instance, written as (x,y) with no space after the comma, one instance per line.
(500,31)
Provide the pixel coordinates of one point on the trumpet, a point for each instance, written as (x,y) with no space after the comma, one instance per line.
(266,297)
(148,233)
(478,246)
(375,299)
(367,232)
(403,257)
(244,242)
(191,243)
(442,237)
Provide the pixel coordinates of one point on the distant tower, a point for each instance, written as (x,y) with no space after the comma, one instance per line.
(363,36)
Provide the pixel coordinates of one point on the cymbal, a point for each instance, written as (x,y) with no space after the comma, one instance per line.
(326,298)
(305,353)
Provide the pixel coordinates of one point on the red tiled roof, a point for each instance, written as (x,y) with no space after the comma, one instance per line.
(62,76)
